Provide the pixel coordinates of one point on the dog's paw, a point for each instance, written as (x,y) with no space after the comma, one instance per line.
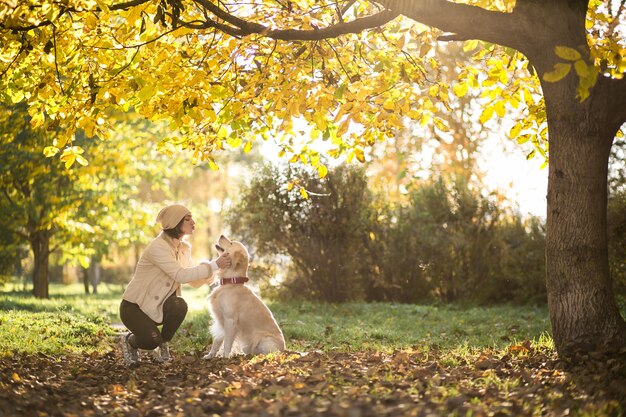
(208,356)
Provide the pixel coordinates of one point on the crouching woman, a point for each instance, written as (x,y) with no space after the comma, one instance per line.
(152,298)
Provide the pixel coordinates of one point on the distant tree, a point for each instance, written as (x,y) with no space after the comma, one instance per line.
(68,205)
(37,192)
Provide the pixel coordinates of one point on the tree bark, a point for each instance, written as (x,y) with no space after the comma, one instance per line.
(40,243)
(583,311)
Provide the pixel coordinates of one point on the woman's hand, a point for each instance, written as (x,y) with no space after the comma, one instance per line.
(223,261)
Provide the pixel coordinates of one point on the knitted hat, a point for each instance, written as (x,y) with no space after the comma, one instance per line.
(171,215)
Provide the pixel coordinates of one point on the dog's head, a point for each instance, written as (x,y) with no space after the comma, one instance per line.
(238,255)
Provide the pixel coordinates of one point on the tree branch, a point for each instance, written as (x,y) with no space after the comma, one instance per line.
(243,27)
(333,31)
(463,21)
(56,60)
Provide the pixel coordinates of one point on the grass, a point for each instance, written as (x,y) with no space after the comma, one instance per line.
(71,321)
(395,326)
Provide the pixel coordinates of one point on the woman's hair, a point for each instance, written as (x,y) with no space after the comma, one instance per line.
(175,232)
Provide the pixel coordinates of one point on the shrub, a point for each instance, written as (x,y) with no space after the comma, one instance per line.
(323,234)
(447,243)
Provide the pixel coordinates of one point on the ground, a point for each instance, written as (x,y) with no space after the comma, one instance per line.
(522,381)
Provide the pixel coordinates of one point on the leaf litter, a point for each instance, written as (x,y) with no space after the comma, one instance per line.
(425,381)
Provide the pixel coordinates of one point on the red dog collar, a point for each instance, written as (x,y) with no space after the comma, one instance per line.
(237,280)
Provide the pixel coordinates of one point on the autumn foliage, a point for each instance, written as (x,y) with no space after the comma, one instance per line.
(523,381)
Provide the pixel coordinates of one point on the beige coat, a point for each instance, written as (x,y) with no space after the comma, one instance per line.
(164,265)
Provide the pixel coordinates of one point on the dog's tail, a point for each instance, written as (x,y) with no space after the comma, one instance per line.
(217,330)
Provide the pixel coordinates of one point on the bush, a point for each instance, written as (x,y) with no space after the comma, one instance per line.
(398,256)
(323,234)
(447,243)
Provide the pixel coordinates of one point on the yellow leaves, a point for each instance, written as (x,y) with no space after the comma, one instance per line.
(134,15)
(50,151)
(460,89)
(472,81)
(559,72)
(486,114)
(360,156)
(582,69)
(37,120)
(73,154)
(497,73)
(587,74)
(343,127)
(103,5)
(91,21)
(470,45)
(356,153)
(568,54)
(434,90)
(389,105)
(16,96)
(301,190)
(515,130)
(234,141)
(213,165)
(500,109)
(441,125)
(88,125)
(146,93)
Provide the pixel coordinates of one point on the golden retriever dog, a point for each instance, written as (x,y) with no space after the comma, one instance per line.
(239,316)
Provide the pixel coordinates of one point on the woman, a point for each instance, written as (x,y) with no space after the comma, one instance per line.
(152,297)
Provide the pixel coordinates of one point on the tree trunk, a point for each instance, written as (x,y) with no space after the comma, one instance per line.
(94,274)
(85,275)
(583,310)
(40,243)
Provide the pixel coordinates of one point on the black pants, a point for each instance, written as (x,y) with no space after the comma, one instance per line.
(145,333)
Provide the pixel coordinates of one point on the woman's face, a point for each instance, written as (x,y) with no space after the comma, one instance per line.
(188,225)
